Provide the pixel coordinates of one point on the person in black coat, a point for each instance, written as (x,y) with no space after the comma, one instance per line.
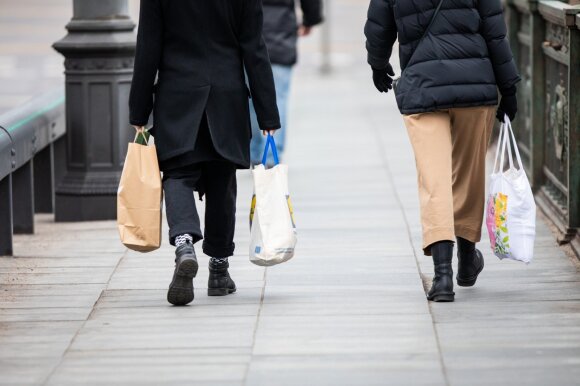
(281,32)
(189,71)
(455,56)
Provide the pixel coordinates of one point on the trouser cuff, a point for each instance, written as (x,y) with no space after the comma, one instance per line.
(434,235)
(467,233)
(218,251)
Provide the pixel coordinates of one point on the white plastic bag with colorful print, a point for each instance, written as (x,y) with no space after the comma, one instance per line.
(511,209)
(272,227)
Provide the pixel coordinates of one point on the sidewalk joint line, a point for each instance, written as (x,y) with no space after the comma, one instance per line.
(246,372)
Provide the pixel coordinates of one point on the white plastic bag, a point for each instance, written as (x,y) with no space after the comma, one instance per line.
(511,209)
(272,227)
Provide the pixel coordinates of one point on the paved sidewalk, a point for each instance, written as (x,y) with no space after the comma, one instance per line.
(77,308)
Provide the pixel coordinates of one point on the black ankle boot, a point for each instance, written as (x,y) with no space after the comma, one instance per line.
(220,283)
(181,288)
(470,263)
(442,288)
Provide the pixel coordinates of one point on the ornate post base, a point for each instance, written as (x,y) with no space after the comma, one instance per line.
(99,51)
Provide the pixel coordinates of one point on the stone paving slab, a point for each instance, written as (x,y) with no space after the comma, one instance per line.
(346,369)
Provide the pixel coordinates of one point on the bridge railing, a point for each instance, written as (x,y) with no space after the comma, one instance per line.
(32,160)
(545,38)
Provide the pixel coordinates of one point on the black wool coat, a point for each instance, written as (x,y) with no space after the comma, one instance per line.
(198,50)
(281,27)
(460,63)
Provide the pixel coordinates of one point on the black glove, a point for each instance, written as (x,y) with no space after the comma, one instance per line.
(383,82)
(509,106)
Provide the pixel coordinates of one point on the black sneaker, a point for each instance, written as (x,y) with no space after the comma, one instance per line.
(181,288)
(220,283)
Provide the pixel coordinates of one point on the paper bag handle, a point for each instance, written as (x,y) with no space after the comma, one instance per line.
(142,132)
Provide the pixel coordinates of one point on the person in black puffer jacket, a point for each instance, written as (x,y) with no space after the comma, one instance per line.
(281,32)
(455,56)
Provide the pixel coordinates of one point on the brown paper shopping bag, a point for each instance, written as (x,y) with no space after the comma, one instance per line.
(139,198)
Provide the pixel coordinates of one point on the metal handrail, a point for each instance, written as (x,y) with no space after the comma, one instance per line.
(33,126)
(31,149)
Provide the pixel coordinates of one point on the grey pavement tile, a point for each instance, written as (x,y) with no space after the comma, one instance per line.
(309,335)
(155,300)
(353,278)
(21,351)
(373,306)
(69,276)
(532,376)
(26,371)
(520,294)
(62,289)
(10,329)
(48,301)
(186,372)
(200,309)
(108,329)
(44,314)
(343,294)
(510,357)
(496,312)
(507,334)
(318,370)
(59,262)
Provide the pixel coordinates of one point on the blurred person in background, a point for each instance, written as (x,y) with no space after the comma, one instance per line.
(198,49)
(281,32)
(448,94)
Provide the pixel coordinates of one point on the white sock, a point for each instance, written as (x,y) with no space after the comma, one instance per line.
(219,260)
(182,239)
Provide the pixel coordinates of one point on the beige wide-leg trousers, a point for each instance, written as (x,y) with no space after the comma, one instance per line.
(450,148)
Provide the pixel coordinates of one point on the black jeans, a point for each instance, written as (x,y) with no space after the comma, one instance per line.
(215,179)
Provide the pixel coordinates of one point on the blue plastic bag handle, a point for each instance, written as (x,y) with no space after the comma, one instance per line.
(270,143)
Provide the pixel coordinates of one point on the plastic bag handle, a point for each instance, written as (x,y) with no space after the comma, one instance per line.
(507,147)
(270,143)
(507,138)
(499,147)
(516,149)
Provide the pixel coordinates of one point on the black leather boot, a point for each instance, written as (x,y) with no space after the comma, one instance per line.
(181,288)
(442,288)
(220,283)
(470,263)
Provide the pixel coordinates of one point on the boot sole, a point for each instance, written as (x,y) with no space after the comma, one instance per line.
(470,282)
(220,291)
(181,288)
(443,298)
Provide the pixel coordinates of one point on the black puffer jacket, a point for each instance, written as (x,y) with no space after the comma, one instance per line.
(281,27)
(460,63)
